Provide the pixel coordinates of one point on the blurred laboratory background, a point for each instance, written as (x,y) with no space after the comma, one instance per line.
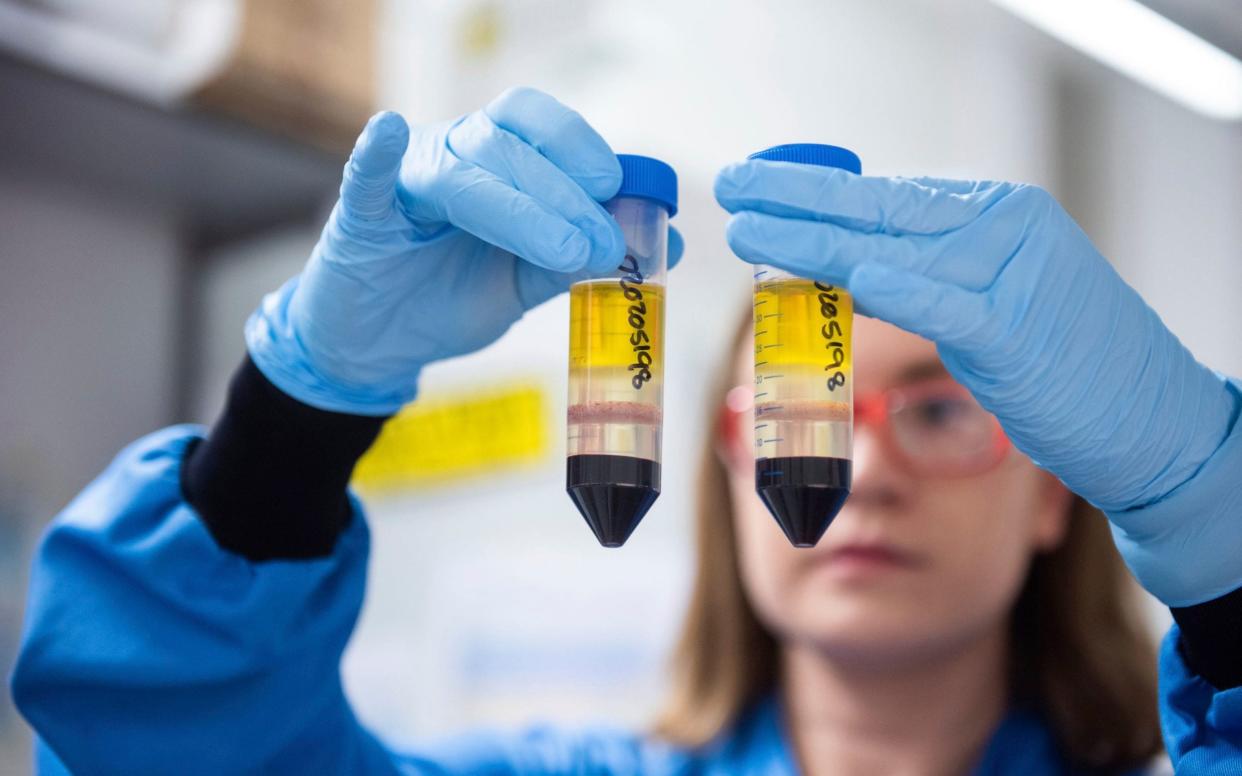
(163,163)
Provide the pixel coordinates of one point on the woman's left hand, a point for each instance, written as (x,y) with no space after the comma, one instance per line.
(1082,374)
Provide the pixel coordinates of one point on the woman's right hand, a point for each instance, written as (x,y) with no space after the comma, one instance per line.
(443,237)
(1082,374)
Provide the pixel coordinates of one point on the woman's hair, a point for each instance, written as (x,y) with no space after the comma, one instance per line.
(1080,655)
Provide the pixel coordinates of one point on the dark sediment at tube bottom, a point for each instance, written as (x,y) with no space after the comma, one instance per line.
(804,494)
(612,492)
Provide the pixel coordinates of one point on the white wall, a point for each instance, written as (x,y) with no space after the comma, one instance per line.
(89,309)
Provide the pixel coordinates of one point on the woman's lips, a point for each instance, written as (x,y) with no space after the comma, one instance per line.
(868,558)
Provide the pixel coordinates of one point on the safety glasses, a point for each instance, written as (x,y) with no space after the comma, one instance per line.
(930,427)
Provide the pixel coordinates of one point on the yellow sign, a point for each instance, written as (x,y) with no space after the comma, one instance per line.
(443,437)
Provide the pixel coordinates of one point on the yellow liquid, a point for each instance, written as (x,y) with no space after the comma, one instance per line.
(804,369)
(616,326)
(616,368)
(799,323)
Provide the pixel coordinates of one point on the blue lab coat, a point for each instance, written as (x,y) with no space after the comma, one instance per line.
(149,649)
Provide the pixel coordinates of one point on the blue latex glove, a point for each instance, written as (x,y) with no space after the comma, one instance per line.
(441,239)
(1082,374)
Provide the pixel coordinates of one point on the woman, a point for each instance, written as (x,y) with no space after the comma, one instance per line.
(958,578)
(189,609)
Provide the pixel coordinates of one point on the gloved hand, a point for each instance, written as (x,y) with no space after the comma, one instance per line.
(435,251)
(1082,374)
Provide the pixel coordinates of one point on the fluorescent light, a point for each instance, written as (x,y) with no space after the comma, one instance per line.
(1146,46)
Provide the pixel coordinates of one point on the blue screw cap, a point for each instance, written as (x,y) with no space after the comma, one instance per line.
(648,178)
(813,153)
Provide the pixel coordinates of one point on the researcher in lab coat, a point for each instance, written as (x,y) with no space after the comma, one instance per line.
(964,614)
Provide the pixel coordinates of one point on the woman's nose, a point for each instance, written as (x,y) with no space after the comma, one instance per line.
(877,480)
(867,453)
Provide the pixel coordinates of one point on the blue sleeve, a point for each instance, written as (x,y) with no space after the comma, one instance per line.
(148,649)
(1202,724)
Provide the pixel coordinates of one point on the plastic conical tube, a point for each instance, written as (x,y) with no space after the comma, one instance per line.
(616,378)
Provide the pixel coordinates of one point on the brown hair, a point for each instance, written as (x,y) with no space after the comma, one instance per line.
(1080,655)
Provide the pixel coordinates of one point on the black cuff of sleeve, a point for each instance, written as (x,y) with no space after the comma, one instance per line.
(270,480)
(1211,639)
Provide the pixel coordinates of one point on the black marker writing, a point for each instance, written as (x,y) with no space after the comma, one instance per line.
(833,334)
(640,340)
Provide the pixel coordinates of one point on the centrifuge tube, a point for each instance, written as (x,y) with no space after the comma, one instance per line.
(616,361)
(804,383)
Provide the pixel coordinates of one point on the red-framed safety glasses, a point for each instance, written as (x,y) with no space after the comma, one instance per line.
(931,427)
